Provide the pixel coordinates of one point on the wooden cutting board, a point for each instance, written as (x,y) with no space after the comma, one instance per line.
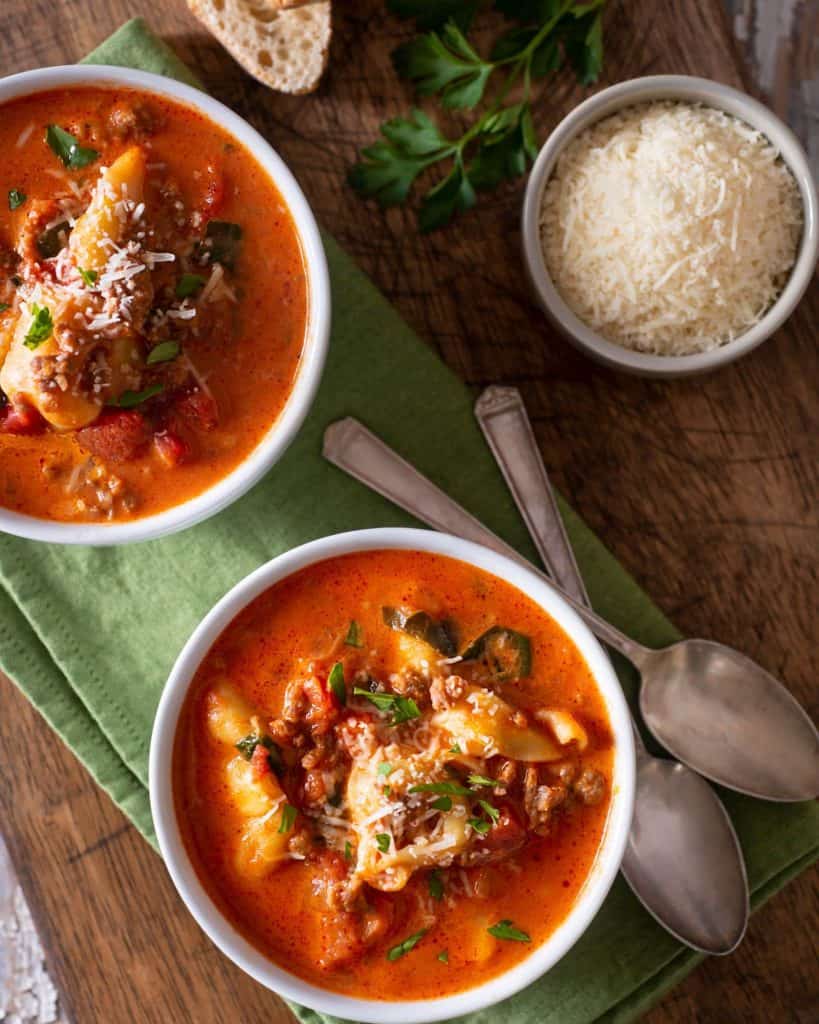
(705,489)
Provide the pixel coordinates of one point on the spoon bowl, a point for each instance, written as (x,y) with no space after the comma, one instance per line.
(683,859)
(712,707)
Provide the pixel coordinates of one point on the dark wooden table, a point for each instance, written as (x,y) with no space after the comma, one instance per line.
(706,489)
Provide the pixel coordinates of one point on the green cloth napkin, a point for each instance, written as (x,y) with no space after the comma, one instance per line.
(90,634)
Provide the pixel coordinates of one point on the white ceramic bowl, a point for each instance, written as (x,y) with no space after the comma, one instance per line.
(308,375)
(225,935)
(685,89)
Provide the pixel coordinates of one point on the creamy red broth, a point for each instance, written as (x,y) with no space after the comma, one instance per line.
(308,834)
(176,299)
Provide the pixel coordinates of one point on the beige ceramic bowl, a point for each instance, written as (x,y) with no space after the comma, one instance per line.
(690,90)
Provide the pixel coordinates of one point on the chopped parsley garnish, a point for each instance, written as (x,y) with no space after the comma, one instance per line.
(481,780)
(506,930)
(403,708)
(385,769)
(445,788)
(354,635)
(89,276)
(164,352)
(443,956)
(336,683)
(436,886)
(383,840)
(387,790)
(480,825)
(289,813)
(4,306)
(128,399)
(41,327)
(68,149)
(491,812)
(248,744)
(443,803)
(189,284)
(16,198)
(406,946)
(348,850)
(455,749)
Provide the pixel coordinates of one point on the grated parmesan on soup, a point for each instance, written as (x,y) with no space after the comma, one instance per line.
(670,228)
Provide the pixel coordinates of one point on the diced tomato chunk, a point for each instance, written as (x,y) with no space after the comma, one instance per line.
(197,410)
(21,418)
(116,435)
(171,448)
(260,761)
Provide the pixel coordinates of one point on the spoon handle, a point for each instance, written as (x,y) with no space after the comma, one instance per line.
(505,423)
(349,445)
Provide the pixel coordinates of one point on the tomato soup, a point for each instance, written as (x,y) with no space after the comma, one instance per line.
(153,304)
(392,774)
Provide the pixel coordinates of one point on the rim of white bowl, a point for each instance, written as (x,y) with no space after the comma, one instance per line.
(222,932)
(311,363)
(683,88)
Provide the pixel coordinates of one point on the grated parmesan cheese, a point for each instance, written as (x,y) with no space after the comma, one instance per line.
(670,228)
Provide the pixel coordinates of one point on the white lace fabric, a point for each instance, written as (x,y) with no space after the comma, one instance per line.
(27,994)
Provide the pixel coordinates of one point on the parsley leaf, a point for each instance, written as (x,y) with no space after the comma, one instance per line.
(385,769)
(164,352)
(490,811)
(4,306)
(479,825)
(443,956)
(443,803)
(445,788)
(436,886)
(16,198)
(481,780)
(354,636)
(89,277)
(41,327)
(289,813)
(403,708)
(128,399)
(408,944)
(336,683)
(68,149)
(444,63)
(501,141)
(506,930)
(388,169)
(383,840)
(348,850)
(455,749)
(189,284)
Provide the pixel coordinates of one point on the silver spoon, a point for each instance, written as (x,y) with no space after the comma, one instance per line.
(712,708)
(683,860)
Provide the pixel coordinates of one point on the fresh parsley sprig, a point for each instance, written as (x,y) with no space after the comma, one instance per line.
(442,62)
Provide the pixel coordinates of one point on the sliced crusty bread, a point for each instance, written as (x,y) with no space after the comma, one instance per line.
(285,49)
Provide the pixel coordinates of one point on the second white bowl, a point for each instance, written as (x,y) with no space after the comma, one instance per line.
(222,932)
(684,89)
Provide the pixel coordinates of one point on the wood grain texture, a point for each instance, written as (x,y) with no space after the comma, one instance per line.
(706,490)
